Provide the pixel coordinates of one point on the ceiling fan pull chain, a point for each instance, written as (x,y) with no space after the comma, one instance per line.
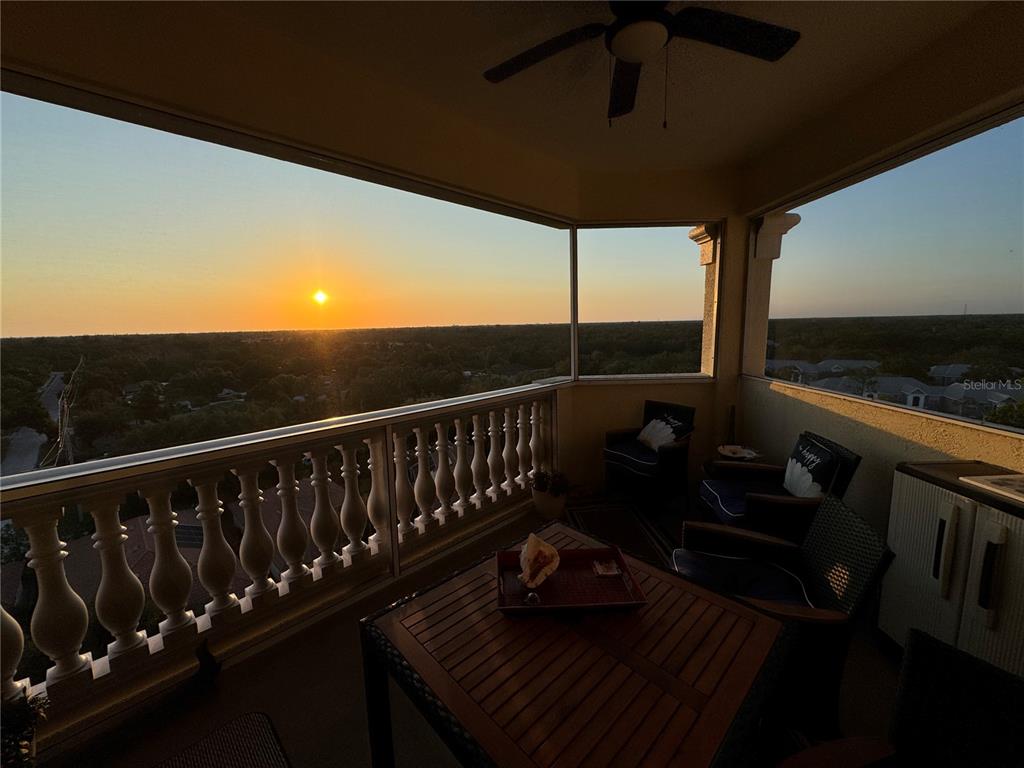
(664,117)
(611,65)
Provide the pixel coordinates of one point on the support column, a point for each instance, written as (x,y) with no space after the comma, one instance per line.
(766,246)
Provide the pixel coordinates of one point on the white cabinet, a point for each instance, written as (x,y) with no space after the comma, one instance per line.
(992,623)
(958,573)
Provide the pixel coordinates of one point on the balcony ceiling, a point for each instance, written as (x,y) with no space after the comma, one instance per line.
(723,107)
(400,84)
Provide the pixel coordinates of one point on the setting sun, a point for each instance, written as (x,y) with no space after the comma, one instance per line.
(320,297)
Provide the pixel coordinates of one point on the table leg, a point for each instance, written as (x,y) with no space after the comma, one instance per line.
(378,706)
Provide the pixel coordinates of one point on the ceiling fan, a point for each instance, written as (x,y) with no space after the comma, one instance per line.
(641,29)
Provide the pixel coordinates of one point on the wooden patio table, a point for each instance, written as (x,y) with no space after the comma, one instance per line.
(676,682)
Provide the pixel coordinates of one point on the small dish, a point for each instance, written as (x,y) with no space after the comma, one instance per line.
(738,452)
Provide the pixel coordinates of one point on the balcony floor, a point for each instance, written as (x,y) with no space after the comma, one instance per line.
(311,688)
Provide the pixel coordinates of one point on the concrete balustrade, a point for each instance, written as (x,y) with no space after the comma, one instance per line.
(481,460)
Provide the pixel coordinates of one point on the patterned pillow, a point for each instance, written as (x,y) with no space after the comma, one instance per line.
(810,470)
(663,430)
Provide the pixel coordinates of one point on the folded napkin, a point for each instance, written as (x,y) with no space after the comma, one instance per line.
(538,561)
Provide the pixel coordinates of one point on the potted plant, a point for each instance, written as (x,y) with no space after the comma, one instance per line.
(549,493)
(21,718)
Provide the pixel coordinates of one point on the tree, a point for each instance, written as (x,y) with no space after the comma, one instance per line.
(1011,414)
(147,402)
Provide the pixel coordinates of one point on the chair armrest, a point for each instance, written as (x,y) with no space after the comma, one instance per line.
(770,502)
(735,542)
(724,469)
(853,752)
(792,612)
(619,434)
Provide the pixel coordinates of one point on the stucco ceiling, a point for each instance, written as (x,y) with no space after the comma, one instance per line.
(723,108)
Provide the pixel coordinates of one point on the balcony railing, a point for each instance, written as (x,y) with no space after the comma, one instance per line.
(433,470)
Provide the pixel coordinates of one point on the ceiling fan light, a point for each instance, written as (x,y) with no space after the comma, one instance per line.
(637,42)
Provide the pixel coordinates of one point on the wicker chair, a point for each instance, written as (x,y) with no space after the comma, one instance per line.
(951,710)
(822,585)
(751,495)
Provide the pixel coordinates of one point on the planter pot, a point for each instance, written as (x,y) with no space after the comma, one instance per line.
(550,507)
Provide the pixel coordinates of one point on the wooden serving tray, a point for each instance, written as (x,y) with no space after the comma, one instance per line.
(574,586)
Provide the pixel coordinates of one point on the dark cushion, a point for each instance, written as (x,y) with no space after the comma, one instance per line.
(740,576)
(727,500)
(633,455)
(811,469)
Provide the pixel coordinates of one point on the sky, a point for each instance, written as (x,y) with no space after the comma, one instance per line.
(108,227)
(926,238)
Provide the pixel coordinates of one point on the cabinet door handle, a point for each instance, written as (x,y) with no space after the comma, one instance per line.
(988,588)
(945,543)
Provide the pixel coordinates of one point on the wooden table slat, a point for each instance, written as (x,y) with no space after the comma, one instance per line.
(538,730)
(648,731)
(707,649)
(457,597)
(604,751)
(600,709)
(672,735)
(491,695)
(712,674)
(480,686)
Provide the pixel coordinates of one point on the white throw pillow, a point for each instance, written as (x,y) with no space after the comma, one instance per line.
(656,434)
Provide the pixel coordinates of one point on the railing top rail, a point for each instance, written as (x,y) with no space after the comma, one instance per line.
(56,485)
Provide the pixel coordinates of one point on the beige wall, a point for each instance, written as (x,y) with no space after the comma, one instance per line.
(589,409)
(772,414)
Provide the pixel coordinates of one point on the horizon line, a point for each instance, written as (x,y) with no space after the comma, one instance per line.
(486,325)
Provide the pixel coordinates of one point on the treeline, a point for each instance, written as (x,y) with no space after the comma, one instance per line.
(906,346)
(139,392)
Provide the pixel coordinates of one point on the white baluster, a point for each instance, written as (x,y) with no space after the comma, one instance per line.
(443,480)
(12,643)
(217,561)
(523,449)
(403,490)
(480,478)
(120,597)
(494,463)
(377,504)
(536,442)
(463,474)
(424,487)
(292,537)
(545,436)
(60,618)
(324,525)
(509,454)
(256,550)
(170,581)
(353,510)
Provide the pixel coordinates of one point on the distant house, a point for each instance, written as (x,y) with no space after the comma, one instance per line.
(978,402)
(230,394)
(131,391)
(949,373)
(799,371)
(833,365)
(802,371)
(899,390)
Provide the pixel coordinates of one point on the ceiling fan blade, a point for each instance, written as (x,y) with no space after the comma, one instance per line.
(737,33)
(623,93)
(543,51)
